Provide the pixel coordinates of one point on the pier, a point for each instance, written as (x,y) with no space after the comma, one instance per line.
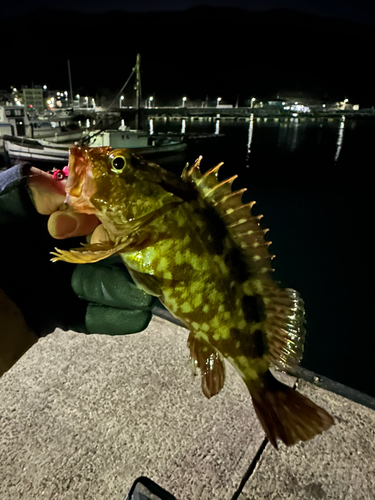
(240,113)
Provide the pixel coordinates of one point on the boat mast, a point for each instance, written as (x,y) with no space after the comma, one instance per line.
(70,83)
(138,90)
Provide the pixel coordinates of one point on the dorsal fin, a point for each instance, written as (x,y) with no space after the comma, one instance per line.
(243,227)
(284,310)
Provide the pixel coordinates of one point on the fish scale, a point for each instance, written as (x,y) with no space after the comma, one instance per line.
(191,242)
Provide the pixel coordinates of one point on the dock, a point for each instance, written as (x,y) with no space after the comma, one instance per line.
(242,113)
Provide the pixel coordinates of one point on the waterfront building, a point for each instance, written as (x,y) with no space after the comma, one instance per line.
(33,98)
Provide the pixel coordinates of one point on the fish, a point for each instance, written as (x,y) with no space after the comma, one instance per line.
(190,241)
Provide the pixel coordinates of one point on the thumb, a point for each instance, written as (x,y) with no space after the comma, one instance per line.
(67,224)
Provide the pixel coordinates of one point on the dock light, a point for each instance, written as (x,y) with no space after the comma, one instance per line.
(252,102)
(120,103)
(87,101)
(183,101)
(218,101)
(346,100)
(44,87)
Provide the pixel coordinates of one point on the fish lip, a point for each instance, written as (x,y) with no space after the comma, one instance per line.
(80,185)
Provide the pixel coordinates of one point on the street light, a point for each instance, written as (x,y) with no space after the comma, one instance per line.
(150,99)
(87,101)
(120,103)
(218,101)
(252,102)
(183,101)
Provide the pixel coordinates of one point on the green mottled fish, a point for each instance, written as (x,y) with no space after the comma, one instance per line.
(191,242)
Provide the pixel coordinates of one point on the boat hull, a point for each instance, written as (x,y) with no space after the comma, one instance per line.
(24,149)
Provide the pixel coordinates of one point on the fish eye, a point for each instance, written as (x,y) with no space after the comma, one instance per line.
(118,164)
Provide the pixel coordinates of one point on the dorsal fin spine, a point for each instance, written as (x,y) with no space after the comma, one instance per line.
(226,182)
(233,194)
(213,170)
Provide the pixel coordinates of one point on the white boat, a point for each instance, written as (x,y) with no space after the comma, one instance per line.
(21,149)
(137,141)
(58,127)
(37,151)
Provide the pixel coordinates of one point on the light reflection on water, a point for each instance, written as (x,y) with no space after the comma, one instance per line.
(249,138)
(183,126)
(217,125)
(316,144)
(340,138)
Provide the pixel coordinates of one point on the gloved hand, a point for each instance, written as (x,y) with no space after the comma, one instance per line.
(89,298)
(114,304)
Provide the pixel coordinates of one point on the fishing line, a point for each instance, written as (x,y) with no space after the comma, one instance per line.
(84,139)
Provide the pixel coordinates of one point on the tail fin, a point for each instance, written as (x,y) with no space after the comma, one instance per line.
(285,414)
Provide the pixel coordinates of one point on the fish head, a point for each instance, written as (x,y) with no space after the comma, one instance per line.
(115,184)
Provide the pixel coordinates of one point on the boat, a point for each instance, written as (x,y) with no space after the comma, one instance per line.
(20,147)
(60,126)
(137,141)
(23,149)
(39,151)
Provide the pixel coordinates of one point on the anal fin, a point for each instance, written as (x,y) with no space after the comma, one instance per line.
(210,363)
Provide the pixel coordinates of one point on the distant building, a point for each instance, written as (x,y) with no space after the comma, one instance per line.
(276,104)
(33,98)
(346,106)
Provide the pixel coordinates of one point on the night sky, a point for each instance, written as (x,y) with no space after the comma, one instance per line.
(362,11)
(323,48)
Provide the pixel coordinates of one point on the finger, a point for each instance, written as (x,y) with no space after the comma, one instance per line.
(99,235)
(47,193)
(109,286)
(68,224)
(112,321)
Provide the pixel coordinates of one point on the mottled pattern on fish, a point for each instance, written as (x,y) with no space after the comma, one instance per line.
(192,243)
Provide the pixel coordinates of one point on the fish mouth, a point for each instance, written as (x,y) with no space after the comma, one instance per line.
(80,185)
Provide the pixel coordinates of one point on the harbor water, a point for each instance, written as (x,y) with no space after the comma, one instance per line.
(311,181)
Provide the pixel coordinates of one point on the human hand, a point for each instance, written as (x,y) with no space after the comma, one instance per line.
(48,195)
(115,305)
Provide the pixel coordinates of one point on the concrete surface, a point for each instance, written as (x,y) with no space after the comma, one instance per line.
(338,465)
(84,416)
(81,417)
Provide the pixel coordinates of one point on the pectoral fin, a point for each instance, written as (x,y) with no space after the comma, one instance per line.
(211,364)
(88,253)
(147,282)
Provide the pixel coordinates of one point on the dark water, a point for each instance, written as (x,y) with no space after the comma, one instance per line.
(312,181)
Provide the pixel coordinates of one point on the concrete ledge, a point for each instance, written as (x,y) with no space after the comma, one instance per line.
(84,416)
(337,465)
